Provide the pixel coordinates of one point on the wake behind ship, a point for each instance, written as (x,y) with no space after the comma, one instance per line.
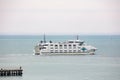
(70,47)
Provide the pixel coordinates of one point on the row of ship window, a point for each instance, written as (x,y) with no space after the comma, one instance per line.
(64,47)
(61,44)
(64,51)
(61,47)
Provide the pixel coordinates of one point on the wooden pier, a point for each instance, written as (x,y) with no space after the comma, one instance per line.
(11,72)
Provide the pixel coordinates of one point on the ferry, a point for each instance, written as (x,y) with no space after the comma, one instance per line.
(70,47)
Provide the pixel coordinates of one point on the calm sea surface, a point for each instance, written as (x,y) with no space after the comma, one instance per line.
(17,51)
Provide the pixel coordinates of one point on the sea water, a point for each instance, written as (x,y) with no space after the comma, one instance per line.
(17,50)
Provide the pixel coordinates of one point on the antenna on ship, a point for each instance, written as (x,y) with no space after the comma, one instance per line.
(77,37)
(44,39)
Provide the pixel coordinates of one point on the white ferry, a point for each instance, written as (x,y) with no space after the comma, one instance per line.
(70,47)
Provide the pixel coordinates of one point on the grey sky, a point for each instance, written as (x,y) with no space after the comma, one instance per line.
(60,16)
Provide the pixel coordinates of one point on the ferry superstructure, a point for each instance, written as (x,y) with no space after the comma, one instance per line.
(70,47)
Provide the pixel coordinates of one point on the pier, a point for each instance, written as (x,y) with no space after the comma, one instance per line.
(11,72)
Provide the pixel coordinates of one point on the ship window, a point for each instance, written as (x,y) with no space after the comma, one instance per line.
(70,41)
(45,45)
(56,46)
(51,48)
(51,51)
(43,48)
(74,46)
(81,43)
(51,45)
(79,51)
(65,46)
(74,50)
(56,51)
(70,51)
(60,46)
(70,46)
(65,51)
(77,41)
(60,51)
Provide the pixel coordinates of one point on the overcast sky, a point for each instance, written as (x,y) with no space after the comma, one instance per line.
(59,17)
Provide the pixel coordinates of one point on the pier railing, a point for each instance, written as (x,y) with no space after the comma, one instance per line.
(11,72)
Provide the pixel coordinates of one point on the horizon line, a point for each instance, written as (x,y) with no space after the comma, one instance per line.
(63,34)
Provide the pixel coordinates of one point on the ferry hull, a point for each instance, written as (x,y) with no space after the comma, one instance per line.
(92,53)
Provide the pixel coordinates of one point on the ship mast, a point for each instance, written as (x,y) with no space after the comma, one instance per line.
(77,37)
(44,39)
